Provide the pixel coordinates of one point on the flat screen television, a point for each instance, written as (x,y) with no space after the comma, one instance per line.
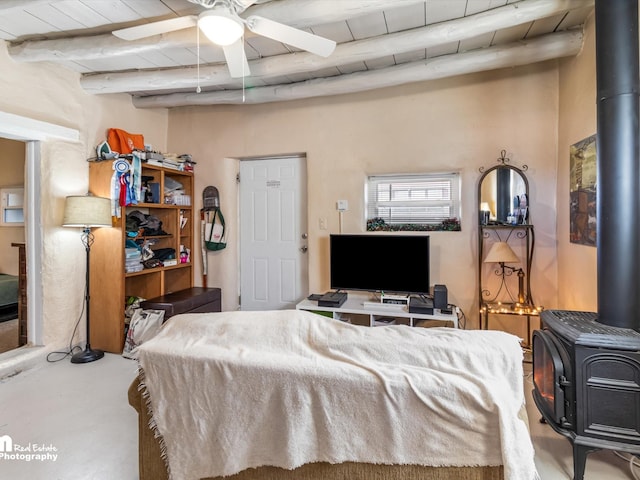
(380,263)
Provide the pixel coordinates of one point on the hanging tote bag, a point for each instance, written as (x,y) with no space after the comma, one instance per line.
(216,231)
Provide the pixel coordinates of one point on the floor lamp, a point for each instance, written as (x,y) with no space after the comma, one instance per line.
(87,211)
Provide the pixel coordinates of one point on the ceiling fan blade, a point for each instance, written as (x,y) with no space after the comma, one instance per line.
(237,59)
(156,28)
(291,36)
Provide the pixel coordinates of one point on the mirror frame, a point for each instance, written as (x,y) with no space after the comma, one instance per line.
(503,165)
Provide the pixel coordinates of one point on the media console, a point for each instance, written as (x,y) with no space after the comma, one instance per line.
(358,308)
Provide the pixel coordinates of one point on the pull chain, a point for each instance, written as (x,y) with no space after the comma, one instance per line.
(198,89)
(243,72)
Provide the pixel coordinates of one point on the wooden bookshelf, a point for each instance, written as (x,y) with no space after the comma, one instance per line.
(111,286)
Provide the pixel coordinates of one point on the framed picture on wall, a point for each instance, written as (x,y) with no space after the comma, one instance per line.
(583,191)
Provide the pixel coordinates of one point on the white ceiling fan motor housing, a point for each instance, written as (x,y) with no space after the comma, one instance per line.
(221,26)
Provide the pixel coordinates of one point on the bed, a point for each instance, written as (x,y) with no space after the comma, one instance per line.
(8,296)
(293,395)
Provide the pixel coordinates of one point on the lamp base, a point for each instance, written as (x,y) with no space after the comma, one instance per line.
(87,355)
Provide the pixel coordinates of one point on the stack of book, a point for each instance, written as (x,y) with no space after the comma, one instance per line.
(169,163)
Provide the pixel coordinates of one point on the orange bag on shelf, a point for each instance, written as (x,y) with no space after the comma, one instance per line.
(124,142)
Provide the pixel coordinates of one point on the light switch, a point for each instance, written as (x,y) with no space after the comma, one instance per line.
(342,205)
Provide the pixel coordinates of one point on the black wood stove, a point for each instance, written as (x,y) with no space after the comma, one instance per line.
(587,383)
(586,366)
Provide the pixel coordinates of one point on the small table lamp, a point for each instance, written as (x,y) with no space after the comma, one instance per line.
(87,211)
(502,253)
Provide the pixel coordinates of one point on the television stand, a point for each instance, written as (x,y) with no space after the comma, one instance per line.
(359,309)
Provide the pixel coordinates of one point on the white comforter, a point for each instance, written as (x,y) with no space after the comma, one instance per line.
(234,390)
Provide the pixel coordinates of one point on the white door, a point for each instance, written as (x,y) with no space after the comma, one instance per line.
(273,233)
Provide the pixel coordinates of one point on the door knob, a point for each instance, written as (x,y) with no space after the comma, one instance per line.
(304,249)
(304,236)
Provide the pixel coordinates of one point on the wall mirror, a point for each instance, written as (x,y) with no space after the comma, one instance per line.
(503,194)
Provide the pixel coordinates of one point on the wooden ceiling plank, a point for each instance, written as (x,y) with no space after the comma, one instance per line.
(6,35)
(159,59)
(277,81)
(366,26)
(19,23)
(405,18)
(100,45)
(352,67)
(337,31)
(438,39)
(81,13)
(519,53)
(574,17)
(545,25)
(181,56)
(7,5)
(299,13)
(115,11)
(266,46)
(479,41)
(148,9)
(512,34)
(410,56)
(444,49)
(48,14)
(209,54)
(303,13)
(443,11)
(380,62)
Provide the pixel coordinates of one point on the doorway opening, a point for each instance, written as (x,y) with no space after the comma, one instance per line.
(31,132)
(13,318)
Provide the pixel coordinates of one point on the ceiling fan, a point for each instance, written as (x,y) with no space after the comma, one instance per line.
(223,26)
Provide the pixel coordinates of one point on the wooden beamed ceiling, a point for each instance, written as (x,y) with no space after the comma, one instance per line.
(380,43)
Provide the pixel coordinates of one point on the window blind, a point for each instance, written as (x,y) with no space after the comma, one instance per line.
(415,199)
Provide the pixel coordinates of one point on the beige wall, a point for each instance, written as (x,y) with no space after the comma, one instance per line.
(457,124)
(453,124)
(577,272)
(53,94)
(12,164)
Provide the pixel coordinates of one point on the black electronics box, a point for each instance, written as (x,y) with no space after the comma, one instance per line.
(421,305)
(332,299)
(440,300)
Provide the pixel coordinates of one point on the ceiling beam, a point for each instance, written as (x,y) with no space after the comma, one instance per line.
(357,51)
(543,48)
(295,13)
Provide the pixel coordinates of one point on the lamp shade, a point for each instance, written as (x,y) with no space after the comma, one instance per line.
(220,27)
(87,211)
(501,252)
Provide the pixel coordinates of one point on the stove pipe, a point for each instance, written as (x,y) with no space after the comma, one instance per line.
(618,169)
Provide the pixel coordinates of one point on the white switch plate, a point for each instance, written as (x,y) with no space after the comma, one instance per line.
(342,205)
(322,223)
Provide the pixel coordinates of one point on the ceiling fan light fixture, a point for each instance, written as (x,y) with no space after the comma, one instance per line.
(220,26)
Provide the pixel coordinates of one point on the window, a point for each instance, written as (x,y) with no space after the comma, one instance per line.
(413,202)
(12,200)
